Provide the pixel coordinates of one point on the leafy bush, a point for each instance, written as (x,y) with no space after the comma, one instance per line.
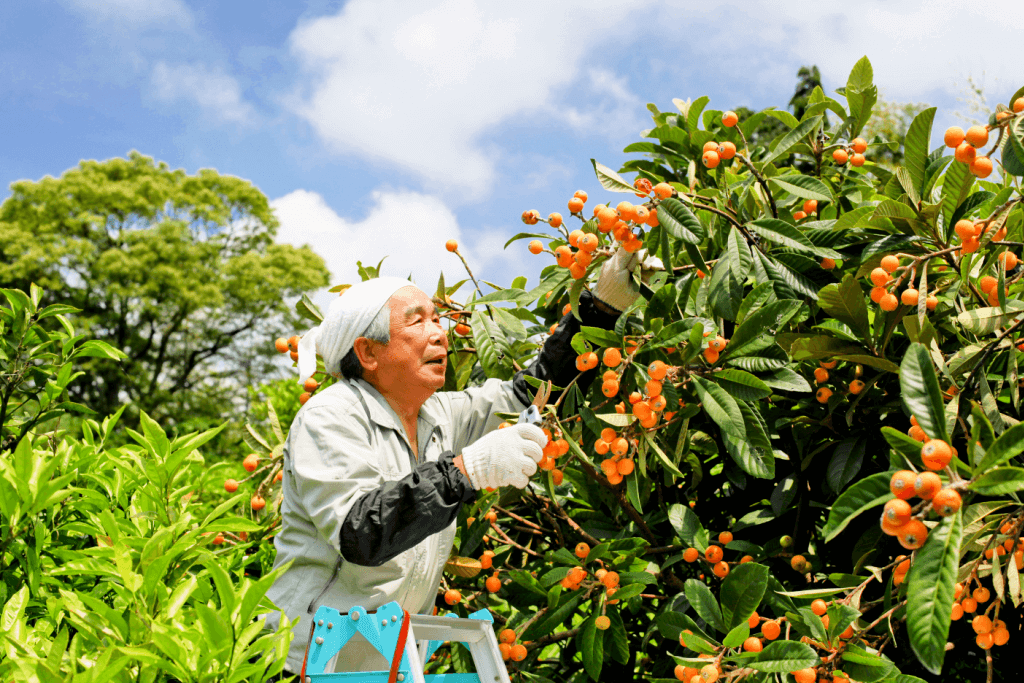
(121,563)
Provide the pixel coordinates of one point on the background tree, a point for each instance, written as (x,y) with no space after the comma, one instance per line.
(889,121)
(179,271)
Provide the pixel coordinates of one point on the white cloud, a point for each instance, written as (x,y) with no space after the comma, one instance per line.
(409,228)
(420,87)
(137,12)
(917,48)
(217,93)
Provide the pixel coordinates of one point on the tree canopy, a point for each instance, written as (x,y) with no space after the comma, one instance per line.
(179,271)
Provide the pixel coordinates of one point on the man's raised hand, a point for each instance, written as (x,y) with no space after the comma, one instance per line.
(504,457)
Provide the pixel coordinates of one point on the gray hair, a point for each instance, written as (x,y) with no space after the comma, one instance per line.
(378,331)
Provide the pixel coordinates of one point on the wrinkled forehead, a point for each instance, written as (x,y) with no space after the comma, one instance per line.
(408,302)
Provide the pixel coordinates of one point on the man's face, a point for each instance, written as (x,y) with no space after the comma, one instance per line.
(415,360)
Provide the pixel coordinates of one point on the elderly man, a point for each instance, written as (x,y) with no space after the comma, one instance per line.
(377,466)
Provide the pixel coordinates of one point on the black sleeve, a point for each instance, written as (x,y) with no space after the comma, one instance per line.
(557,359)
(395,517)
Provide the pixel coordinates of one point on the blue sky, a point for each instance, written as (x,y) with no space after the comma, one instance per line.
(383,127)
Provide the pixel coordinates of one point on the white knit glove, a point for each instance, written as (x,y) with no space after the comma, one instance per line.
(615,285)
(504,456)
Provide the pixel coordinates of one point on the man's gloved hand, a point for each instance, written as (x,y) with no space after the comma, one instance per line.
(504,456)
(615,286)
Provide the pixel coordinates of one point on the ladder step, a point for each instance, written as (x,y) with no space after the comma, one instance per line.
(382,677)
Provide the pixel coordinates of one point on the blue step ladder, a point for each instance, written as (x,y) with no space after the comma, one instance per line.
(424,634)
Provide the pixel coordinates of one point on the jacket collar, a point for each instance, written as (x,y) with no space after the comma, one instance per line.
(384,415)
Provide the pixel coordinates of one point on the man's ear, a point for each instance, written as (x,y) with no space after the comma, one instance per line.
(366,352)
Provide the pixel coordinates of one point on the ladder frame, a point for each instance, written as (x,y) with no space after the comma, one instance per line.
(332,630)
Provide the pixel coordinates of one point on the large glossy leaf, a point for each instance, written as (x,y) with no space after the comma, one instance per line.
(916,146)
(845,301)
(720,406)
(677,218)
(687,525)
(804,186)
(921,391)
(786,235)
(491,346)
(868,667)
(792,138)
(870,492)
(783,656)
(742,385)
(930,588)
(984,321)
(1009,445)
(704,603)
(999,482)
(753,452)
(741,592)
(610,180)
(755,332)
(592,646)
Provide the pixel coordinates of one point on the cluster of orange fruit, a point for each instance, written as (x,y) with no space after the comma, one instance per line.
(810,207)
(251,463)
(821,375)
(617,466)
(770,630)
(881,279)
(714,556)
(510,649)
(989,631)
(965,146)
(897,516)
(619,221)
(714,153)
(970,234)
(574,579)
(854,153)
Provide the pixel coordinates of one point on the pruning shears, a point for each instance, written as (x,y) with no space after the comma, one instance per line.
(532,413)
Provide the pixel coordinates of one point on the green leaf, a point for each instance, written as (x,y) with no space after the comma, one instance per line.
(870,361)
(677,218)
(786,235)
(742,591)
(610,180)
(687,525)
(783,656)
(720,406)
(592,646)
(741,385)
(753,453)
(999,482)
(864,666)
(754,334)
(861,76)
(803,186)
(94,348)
(921,392)
(930,592)
(916,147)
(491,346)
(1009,445)
(308,310)
(737,635)
(704,604)
(870,492)
(985,321)
(792,138)
(845,301)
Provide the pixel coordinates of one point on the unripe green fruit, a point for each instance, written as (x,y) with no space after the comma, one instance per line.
(786,541)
